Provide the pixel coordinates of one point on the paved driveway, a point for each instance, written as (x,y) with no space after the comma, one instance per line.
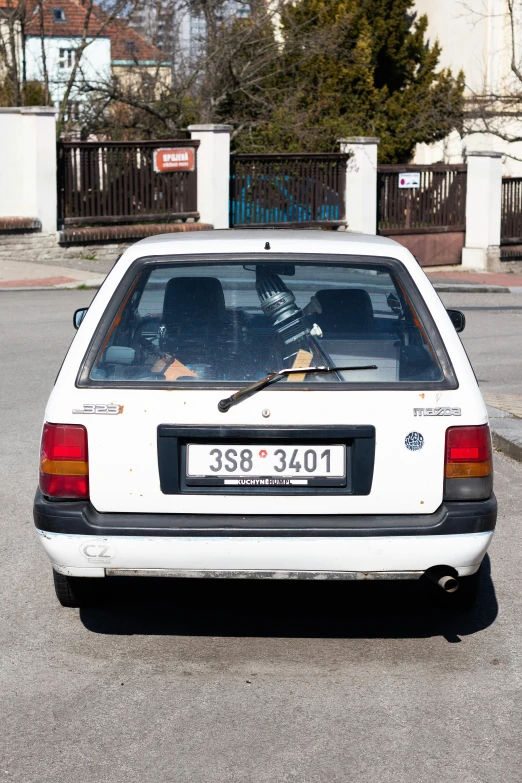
(250,682)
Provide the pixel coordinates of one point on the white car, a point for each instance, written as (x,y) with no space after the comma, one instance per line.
(277,404)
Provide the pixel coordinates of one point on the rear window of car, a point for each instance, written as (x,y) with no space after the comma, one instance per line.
(235,322)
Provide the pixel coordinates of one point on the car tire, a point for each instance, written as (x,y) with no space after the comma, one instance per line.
(77,592)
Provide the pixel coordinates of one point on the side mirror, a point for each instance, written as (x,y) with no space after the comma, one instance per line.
(458,319)
(78,316)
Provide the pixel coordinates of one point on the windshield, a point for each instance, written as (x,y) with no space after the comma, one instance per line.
(236,322)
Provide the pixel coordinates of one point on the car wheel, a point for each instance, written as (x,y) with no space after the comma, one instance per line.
(77,592)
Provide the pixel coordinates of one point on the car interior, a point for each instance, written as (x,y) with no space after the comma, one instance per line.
(194,331)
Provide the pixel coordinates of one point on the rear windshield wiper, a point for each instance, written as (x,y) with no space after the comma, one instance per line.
(227,403)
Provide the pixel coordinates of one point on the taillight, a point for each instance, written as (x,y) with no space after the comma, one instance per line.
(468,467)
(64,462)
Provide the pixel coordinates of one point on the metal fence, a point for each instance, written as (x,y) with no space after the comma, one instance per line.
(437,205)
(115,182)
(511,216)
(287,189)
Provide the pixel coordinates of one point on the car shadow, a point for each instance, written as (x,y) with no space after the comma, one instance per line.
(287,609)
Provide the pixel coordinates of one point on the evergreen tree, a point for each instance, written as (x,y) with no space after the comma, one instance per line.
(355,68)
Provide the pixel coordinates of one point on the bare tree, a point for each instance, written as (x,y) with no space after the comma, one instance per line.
(96,22)
(232,69)
(18,15)
(497,110)
(11,25)
(43,51)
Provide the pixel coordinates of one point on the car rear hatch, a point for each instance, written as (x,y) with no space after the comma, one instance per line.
(178,338)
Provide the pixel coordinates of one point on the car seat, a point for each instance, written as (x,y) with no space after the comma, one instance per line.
(194,322)
(345,311)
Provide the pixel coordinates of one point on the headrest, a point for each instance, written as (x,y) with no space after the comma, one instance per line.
(190,301)
(345,310)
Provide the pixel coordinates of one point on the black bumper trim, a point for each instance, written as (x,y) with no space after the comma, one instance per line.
(81,518)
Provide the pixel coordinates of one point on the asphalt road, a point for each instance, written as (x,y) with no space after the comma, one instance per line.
(250,682)
(492,338)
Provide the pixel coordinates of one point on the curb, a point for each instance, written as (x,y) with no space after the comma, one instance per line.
(506,432)
(508,447)
(475,288)
(94,282)
(447,288)
(470,288)
(78,285)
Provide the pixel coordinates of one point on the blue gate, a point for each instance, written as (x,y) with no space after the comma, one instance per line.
(287,190)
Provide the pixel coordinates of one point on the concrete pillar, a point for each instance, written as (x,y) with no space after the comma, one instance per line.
(483,209)
(213,169)
(361,183)
(28,164)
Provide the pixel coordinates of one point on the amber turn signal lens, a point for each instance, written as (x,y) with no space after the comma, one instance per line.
(468,469)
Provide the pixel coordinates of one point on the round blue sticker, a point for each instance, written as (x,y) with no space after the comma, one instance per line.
(414,441)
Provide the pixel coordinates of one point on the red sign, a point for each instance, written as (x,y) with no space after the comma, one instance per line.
(174,159)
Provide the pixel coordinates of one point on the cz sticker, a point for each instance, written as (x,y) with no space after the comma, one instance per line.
(99,553)
(414,441)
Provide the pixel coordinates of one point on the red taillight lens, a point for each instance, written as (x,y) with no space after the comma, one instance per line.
(64,461)
(468,452)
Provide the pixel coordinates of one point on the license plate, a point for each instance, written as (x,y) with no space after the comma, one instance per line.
(266,465)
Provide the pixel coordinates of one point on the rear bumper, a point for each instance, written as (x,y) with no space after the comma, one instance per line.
(81,518)
(384,557)
(81,542)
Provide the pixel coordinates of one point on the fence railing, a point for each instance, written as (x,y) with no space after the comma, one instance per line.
(287,189)
(437,205)
(115,182)
(511,214)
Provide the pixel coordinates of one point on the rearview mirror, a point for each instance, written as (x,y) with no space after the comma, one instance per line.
(277,268)
(78,316)
(458,319)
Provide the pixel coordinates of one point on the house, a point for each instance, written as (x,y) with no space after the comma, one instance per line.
(134,59)
(55,52)
(476,37)
(114,50)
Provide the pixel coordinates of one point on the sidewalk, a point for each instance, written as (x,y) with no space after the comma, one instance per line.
(453,279)
(22,275)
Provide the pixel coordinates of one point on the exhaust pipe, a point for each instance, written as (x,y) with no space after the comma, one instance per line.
(447,582)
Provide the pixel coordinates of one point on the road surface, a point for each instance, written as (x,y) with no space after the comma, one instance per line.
(257,681)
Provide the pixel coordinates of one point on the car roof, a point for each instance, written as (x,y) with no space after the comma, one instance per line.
(252,235)
(299,241)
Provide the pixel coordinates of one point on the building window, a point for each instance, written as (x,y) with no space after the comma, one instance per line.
(130,47)
(65,58)
(59,15)
(197,34)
